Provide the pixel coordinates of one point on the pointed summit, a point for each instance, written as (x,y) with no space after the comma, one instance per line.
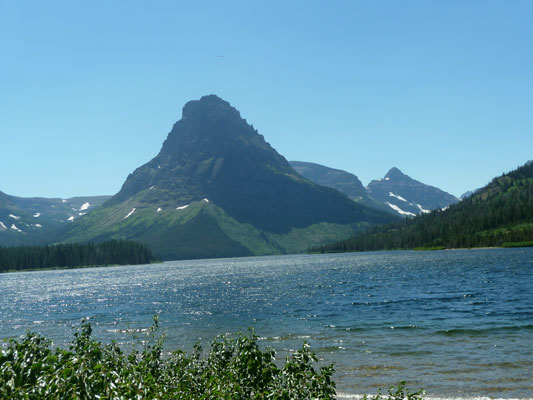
(218,189)
(407,196)
(208,151)
(395,173)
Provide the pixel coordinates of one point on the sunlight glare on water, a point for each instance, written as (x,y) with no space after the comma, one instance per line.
(456,323)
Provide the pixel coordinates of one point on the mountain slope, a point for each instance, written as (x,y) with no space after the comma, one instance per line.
(343,181)
(500,212)
(35,220)
(338,179)
(216,174)
(397,193)
(407,196)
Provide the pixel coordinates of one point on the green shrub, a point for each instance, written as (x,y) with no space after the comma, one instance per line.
(234,368)
(398,393)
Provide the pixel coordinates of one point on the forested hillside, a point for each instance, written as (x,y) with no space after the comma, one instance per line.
(499,214)
(114,252)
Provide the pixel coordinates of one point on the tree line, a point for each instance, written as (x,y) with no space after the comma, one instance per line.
(500,213)
(113,252)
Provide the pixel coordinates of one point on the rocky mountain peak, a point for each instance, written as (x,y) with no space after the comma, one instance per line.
(408,196)
(213,153)
(209,106)
(395,174)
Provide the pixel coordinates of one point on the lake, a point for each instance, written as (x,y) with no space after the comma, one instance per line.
(457,323)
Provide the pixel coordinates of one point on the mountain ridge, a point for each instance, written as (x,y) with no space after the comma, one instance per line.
(408,196)
(396,193)
(495,215)
(35,220)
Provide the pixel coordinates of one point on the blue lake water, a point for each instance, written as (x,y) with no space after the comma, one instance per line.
(457,323)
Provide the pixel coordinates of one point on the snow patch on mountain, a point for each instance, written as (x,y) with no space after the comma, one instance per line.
(159,209)
(2,225)
(423,210)
(399,210)
(205,200)
(398,197)
(14,227)
(85,206)
(14,216)
(71,218)
(130,213)
(182,207)
(38,225)
(36,215)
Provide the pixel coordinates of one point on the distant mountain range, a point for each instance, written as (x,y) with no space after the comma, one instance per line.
(499,214)
(396,192)
(218,189)
(36,220)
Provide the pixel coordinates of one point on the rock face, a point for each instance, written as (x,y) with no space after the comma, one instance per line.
(233,181)
(407,196)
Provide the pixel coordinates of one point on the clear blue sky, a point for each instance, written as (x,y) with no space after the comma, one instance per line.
(442,90)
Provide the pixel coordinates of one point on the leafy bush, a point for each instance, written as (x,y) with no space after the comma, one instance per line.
(398,393)
(234,368)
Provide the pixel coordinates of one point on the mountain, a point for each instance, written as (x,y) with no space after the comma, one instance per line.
(407,196)
(35,220)
(500,213)
(218,189)
(397,193)
(343,181)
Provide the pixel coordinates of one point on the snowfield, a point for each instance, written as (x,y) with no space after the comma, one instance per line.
(130,213)
(399,210)
(13,226)
(398,197)
(423,210)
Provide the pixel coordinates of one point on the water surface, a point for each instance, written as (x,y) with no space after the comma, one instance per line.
(457,323)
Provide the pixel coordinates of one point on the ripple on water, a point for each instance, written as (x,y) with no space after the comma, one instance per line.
(459,324)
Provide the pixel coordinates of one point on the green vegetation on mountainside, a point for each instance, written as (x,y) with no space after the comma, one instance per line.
(501,212)
(201,230)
